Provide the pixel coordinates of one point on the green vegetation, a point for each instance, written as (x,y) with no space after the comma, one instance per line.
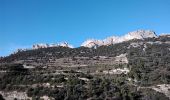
(149,65)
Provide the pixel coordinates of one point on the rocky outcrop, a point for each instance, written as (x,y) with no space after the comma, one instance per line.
(14,94)
(41,45)
(139,34)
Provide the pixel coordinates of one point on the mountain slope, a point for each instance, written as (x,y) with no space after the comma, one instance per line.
(138,69)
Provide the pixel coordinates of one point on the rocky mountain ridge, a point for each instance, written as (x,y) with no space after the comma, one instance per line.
(139,34)
(42,45)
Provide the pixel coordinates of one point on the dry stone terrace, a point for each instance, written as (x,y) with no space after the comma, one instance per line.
(123,70)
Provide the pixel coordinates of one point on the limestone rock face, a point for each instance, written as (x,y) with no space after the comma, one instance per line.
(139,34)
(42,45)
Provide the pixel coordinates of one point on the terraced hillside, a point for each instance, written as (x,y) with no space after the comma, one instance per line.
(131,70)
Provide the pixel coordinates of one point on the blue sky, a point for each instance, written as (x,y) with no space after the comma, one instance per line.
(26,22)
